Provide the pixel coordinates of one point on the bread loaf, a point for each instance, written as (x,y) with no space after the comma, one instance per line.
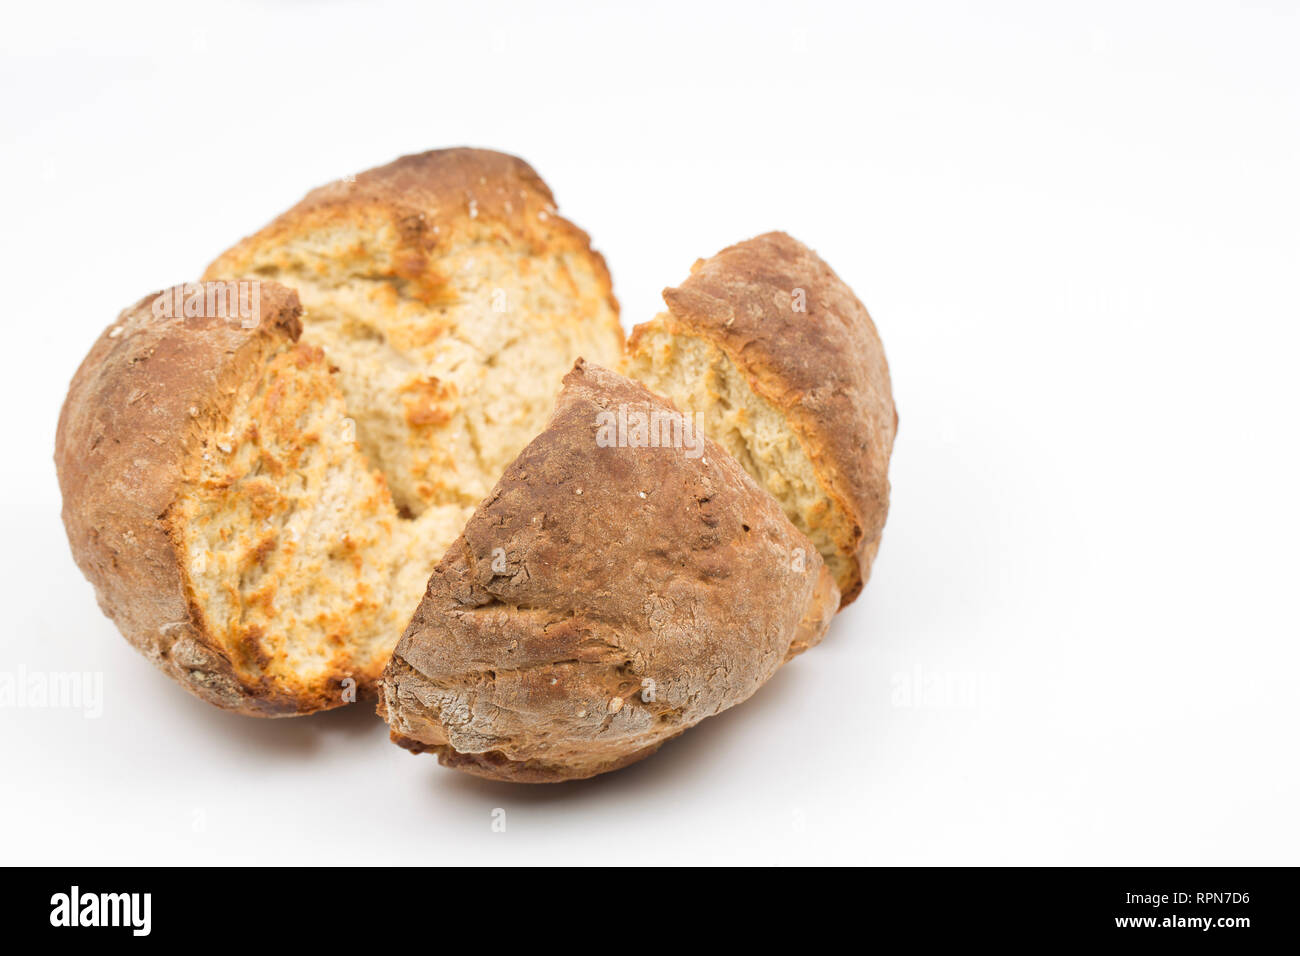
(624,580)
(259,499)
(785,367)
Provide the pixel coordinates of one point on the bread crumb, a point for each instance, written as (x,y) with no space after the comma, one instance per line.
(616,705)
(577,491)
(641,493)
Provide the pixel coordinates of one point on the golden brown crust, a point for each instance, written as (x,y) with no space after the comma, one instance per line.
(824,368)
(593,573)
(424,203)
(136,410)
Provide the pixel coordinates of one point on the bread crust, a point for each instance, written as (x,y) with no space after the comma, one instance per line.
(135,413)
(824,369)
(428,200)
(591,573)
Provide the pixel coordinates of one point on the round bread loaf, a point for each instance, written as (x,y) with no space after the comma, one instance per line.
(259,503)
(785,367)
(624,580)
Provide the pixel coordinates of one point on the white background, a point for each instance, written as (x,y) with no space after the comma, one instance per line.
(1079,235)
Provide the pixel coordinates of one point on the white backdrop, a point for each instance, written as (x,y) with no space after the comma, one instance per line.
(1077,233)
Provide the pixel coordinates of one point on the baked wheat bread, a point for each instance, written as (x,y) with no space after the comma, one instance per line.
(624,580)
(259,508)
(784,365)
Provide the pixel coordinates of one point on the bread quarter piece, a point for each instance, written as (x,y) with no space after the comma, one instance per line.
(613,590)
(785,366)
(452,297)
(215,495)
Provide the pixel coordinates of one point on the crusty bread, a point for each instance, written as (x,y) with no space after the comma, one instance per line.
(452,297)
(259,508)
(258,503)
(603,598)
(783,363)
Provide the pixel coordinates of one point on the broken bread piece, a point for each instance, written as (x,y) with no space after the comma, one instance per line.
(452,297)
(215,495)
(785,367)
(624,580)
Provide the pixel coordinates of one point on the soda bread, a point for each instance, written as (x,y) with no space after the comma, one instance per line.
(608,594)
(259,508)
(259,500)
(784,364)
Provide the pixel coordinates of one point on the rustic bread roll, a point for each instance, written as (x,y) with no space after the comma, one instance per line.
(260,514)
(785,366)
(452,298)
(604,597)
